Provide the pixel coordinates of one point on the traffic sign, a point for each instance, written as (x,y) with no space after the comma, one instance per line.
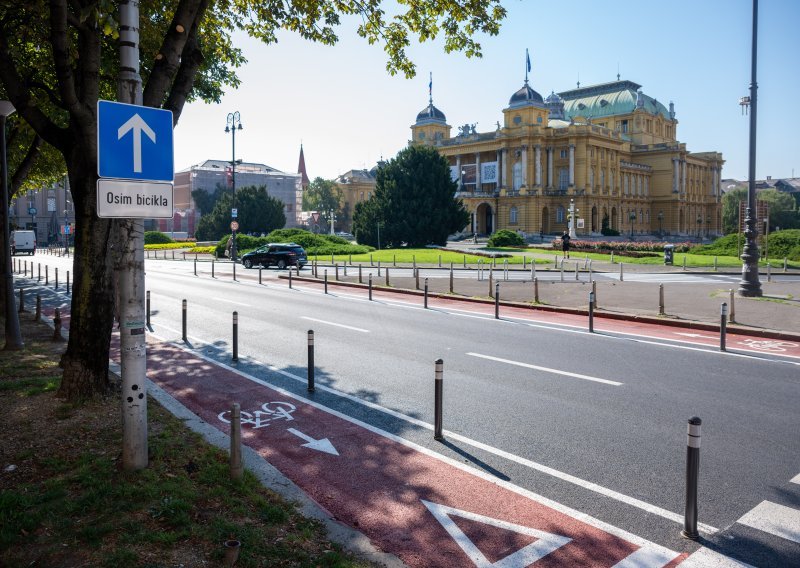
(31,210)
(234,213)
(234,226)
(134,199)
(134,142)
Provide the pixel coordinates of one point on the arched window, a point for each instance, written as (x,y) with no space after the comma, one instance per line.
(626,184)
(512,216)
(517,173)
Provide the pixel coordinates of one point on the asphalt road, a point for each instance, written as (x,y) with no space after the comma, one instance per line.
(596,422)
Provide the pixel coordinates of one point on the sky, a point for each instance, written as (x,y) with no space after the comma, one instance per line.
(348,112)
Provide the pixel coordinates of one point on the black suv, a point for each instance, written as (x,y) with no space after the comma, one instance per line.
(278,254)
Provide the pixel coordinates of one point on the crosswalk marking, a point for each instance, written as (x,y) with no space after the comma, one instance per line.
(774,519)
(795,479)
(707,558)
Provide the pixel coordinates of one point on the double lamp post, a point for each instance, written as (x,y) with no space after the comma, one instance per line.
(234,123)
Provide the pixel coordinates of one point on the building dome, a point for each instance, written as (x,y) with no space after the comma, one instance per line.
(430,113)
(555,104)
(525,96)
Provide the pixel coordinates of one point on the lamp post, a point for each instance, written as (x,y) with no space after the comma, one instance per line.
(233,124)
(13,335)
(332,219)
(661,224)
(632,217)
(571,222)
(749,285)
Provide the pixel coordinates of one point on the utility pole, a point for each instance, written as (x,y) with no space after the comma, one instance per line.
(130,268)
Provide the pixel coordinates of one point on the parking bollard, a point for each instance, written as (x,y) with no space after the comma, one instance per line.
(344,269)
(426,294)
(370,286)
(56,286)
(394,260)
(731,313)
(234,272)
(414,261)
(387,275)
(577,277)
(183,321)
(212,268)
(715,264)
(46,275)
(67,282)
(260,268)
(438,392)
(769,272)
(785,264)
(39,272)
(147,302)
(351,263)
(379,269)
(684,262)
(236,468)
(591,278)
(562,270)
(195,266)
(692,475)
(235,337)
(465,261)
(38,315)
(22,300)
(57,326)
(497,301)
(310,360)
(360,280)
(612,257)
(621,270)
(325,273)
(723,320)
(370,259)
(416,276)
(290,277)
(524,263)
(536,290)
(661,299)
(591,312)
(505,270)
(451,277)
(336,272)
(533,268)
(594,291)
(491,281)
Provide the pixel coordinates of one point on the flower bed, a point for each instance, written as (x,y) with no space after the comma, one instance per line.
(618,247)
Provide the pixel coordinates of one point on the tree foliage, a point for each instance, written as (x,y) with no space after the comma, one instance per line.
(413,202)
(324,195)
(57,58)
(258,213)
(205,201)
(782,208)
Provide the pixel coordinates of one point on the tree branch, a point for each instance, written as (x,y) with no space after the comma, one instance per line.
(25,167)
(187,14)
(191,60)
(60,44)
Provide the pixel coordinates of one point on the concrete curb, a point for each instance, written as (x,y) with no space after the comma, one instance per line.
(701,326)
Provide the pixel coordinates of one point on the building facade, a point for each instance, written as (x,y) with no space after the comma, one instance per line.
(283,186)
(356,186)
(46,211)
(608,151)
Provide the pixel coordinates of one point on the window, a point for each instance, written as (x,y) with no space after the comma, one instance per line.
(591,178)
(646,189)
(512,216)
(563,153)
(362,196)
(591,152)
(603,178)
(563,178)
(517,173)
(626,183)
(560,214)
(624,126)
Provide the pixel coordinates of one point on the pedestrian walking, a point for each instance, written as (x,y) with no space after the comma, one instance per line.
(565,244)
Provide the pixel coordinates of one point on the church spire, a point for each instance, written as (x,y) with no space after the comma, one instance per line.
(301,169)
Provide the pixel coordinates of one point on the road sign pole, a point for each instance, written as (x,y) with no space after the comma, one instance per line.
(133,356)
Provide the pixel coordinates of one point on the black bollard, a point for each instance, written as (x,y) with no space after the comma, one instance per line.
(22,300)
(290,276)
(591,312)
(56,278)
(39,272)
(310,360)
(692,475)
(234,272)
(325,273)
(195,266)
(426,293)
(57,326)
(148,308)
(723,331)
(497,301)
(438,392)
(212,268)
(370,286)
(183,318)
(67,281)
(235,357)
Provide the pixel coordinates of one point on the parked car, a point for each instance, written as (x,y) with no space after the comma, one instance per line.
(276,254)
(23,241)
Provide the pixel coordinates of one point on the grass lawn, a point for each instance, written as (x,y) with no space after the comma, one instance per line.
(65,500)
(426,256)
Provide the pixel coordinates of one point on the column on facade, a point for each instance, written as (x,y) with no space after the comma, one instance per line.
(550,167)
(715,181)
(475,222)
(538,160)
(500,161)
(478,172)
(674,175)
(572,165)
(683,177)
(525,165)
(460,176)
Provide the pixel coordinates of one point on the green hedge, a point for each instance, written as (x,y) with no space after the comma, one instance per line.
(781,244)
(313,243)
(506,238)
(156,238)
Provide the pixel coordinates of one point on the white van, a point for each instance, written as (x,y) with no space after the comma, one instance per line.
(23,241)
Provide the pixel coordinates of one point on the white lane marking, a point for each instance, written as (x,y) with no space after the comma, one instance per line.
(644,557)
(336,324)
(590,486)
(795,479)
(707,558)
(321,445)
(561,508)
(231,302)
(774,519)
(547,369)
(544,544)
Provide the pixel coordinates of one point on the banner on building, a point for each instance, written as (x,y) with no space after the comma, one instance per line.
(454,173)
(489,172)
(468,174)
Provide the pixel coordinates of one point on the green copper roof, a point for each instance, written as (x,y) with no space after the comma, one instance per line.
(608,99)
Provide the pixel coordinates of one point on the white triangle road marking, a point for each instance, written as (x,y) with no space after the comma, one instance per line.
(546,543)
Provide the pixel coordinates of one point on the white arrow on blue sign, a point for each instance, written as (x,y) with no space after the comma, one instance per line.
(134,142)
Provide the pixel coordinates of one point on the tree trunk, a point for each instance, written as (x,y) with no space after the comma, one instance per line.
(85,362)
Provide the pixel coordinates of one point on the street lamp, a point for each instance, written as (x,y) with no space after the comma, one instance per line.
(233,124)
(632,217)
(13,335)
(661,224)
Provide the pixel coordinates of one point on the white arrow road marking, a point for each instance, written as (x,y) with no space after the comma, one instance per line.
(546,543)
(547,369)
(322,445)
(696,335)
(137,125)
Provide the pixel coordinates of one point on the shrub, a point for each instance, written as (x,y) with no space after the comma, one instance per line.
(609,232)
(313,244)
(156,238)
(781,244)
(506,238)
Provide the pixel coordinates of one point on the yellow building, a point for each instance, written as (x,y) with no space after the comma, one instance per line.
(608,150)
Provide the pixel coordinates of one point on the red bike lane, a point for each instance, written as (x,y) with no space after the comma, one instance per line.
(425,508)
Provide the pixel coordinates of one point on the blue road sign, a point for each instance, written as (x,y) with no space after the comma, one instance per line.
(134,142)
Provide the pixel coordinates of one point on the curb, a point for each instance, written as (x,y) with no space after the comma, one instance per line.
(701,326)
